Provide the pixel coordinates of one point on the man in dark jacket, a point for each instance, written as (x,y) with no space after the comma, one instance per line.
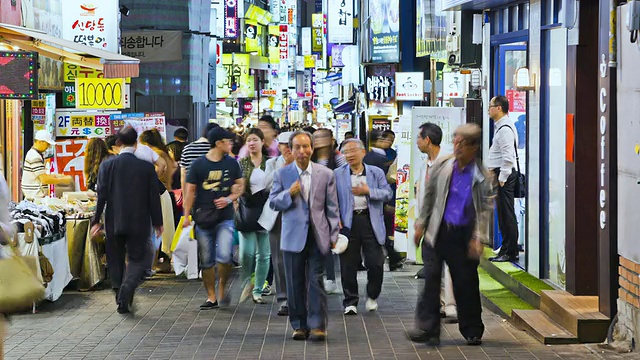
(129,187)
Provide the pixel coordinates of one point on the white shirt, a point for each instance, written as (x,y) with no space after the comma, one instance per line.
(305,180)
(33,167)
(359,202)
(422,181)
(502,154)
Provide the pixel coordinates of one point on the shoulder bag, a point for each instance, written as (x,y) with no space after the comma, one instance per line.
(520,189)
(207,217)
(249,211)
(19,285)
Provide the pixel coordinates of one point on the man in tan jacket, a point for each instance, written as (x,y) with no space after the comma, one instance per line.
(453,220)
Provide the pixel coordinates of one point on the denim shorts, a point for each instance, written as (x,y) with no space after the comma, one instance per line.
(215,245)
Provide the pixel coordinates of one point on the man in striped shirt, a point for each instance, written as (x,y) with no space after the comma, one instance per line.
(35,181)
(193,151)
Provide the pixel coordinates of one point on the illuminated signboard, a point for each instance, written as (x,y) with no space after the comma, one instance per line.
(18,75)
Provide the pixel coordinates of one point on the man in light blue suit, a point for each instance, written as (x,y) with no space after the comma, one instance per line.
(305,193)
(362,192)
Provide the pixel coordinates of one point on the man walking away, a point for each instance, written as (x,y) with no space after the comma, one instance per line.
(128,187)
(502,160)
(456,209)
(362,192)
(305,193)
(209,197)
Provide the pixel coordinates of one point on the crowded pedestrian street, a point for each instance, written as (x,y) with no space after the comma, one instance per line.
(168,325)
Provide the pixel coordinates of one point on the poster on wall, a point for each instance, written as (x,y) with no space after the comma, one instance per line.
(140,122)
(411,163)
(340,22)
(431,29)
(342,127)
(91,25)
(69,160)
(385,31)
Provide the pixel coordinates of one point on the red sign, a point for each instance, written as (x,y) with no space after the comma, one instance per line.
(517,100)
(284,42)
(70,159)
(218,54)
(265,92)
(248,106)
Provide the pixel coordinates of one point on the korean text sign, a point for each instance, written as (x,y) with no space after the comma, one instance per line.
(100,93)
(91,25)
(152,46)
(340,21)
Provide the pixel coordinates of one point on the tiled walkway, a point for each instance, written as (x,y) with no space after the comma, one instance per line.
(168,325)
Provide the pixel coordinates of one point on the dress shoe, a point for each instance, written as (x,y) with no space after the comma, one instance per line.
(318,335)
(501,258)
(474,341)
(451,320)
(420,336)
(123,309)
(283,311)
(300,334)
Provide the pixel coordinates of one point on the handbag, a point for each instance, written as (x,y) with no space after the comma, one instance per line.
(207,217)
(19,285)
(249,211)
(520,189)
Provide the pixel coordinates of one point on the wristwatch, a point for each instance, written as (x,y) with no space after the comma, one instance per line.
(229,201)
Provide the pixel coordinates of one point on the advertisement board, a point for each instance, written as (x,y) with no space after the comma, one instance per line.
(340,21)
(140,122)
(273,44)
(18,75)
(91,25)
(80,124)
(431,29)
(409,86)
(152,46)
(100,93)
(385,31)
(69,160)
(235,70)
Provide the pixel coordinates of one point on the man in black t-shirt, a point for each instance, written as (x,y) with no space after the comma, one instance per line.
(213,183)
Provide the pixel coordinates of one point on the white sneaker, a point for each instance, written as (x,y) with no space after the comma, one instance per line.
(351,310)
(371,305)
(330,287)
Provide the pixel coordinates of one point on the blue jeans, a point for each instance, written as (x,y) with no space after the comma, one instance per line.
(215,245)
(255,251)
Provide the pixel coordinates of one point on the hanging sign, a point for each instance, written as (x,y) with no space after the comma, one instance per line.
(284,42)
(230,19)
(152,46)
(100,93)
(409,86)
(340,21)
(274,44)
(140,122)
(385,31)
(309,61)
(316,33)
(91,25)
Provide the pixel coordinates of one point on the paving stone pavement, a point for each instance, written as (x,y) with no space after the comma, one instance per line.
(168,325)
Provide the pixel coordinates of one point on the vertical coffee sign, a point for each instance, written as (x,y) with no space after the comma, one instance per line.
(90,24)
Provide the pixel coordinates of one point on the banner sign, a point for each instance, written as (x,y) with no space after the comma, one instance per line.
(317,36)
(152,46)
(274,44)
(140,122)
(340,21)
(253,37)
(409,86)
(258,14)
(100,93)
(431,30)
(385,31)
(39,112)
(91,25)
(230,19)
(380,123)
(284,42)
(82,125)
(69,160)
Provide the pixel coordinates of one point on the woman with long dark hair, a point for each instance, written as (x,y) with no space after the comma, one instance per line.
(255,248)
(95,154)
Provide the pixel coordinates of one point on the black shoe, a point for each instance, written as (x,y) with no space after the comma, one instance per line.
(283,311)
(451,320)
(474,341)
(208,305)
(361,267)
(502,258)
(420,336)
(396,266)
(123,309)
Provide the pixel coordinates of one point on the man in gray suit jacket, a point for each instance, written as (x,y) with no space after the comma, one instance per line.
(306,195)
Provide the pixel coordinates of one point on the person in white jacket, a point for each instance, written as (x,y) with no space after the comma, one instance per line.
(429,140)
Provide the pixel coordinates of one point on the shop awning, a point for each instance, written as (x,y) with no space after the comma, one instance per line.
(346,107)
(113,65)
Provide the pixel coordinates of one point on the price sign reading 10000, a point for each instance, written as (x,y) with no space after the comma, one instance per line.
(99,93)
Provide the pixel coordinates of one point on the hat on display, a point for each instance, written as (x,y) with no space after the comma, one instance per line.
(341,245)
(43,135)
(284,137)
(218,134)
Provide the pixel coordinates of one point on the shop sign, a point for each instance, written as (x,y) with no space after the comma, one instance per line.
(284,42)
(340,21)
(431,29)
(69,159)
(309,61)
(235,70)
(336,55)
(82,125)
(317,33)
(100,93)
(409,86)
(283,11)
(140,122)
(152,46)
(380,88)
(385,40)
(380,123)
(517,100)
(39,113)
(230,19)
(91,25)
(266,92)
(248,106)
(274,44)
(253,37)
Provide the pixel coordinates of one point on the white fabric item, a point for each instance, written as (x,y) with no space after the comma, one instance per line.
(185,256)
(502,154)
(268,217)
(32,168)
(58,254)
(258,180)
(305,180)
(168,222)
(359,202)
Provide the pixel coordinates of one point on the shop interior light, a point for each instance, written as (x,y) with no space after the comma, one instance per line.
(523,80)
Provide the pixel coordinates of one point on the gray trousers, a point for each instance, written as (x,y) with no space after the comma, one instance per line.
(277,261)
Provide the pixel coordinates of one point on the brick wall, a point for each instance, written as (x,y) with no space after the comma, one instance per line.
(629,282)
(628,327)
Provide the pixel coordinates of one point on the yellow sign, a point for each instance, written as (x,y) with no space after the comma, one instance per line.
(100,93)
(273,43)
(73,72)
(309,61)
(235,73)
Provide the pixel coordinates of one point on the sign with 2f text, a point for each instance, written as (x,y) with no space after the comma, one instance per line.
(100,93)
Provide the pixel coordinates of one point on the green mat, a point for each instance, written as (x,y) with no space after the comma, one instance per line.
(499,295)
(519,275)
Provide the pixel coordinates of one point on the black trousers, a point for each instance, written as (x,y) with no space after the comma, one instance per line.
(389,220)
(128,257)
(451,246)
(363,239)
(507,216)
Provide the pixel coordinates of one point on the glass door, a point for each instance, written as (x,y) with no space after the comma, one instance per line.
(509,58)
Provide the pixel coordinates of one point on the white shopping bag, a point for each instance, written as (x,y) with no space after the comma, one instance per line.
(185,255)
(268,217)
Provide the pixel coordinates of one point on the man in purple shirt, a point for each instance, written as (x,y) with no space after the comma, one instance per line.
(451,226)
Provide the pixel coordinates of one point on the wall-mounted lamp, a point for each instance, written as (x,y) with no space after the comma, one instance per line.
(124,10)
(523,80)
